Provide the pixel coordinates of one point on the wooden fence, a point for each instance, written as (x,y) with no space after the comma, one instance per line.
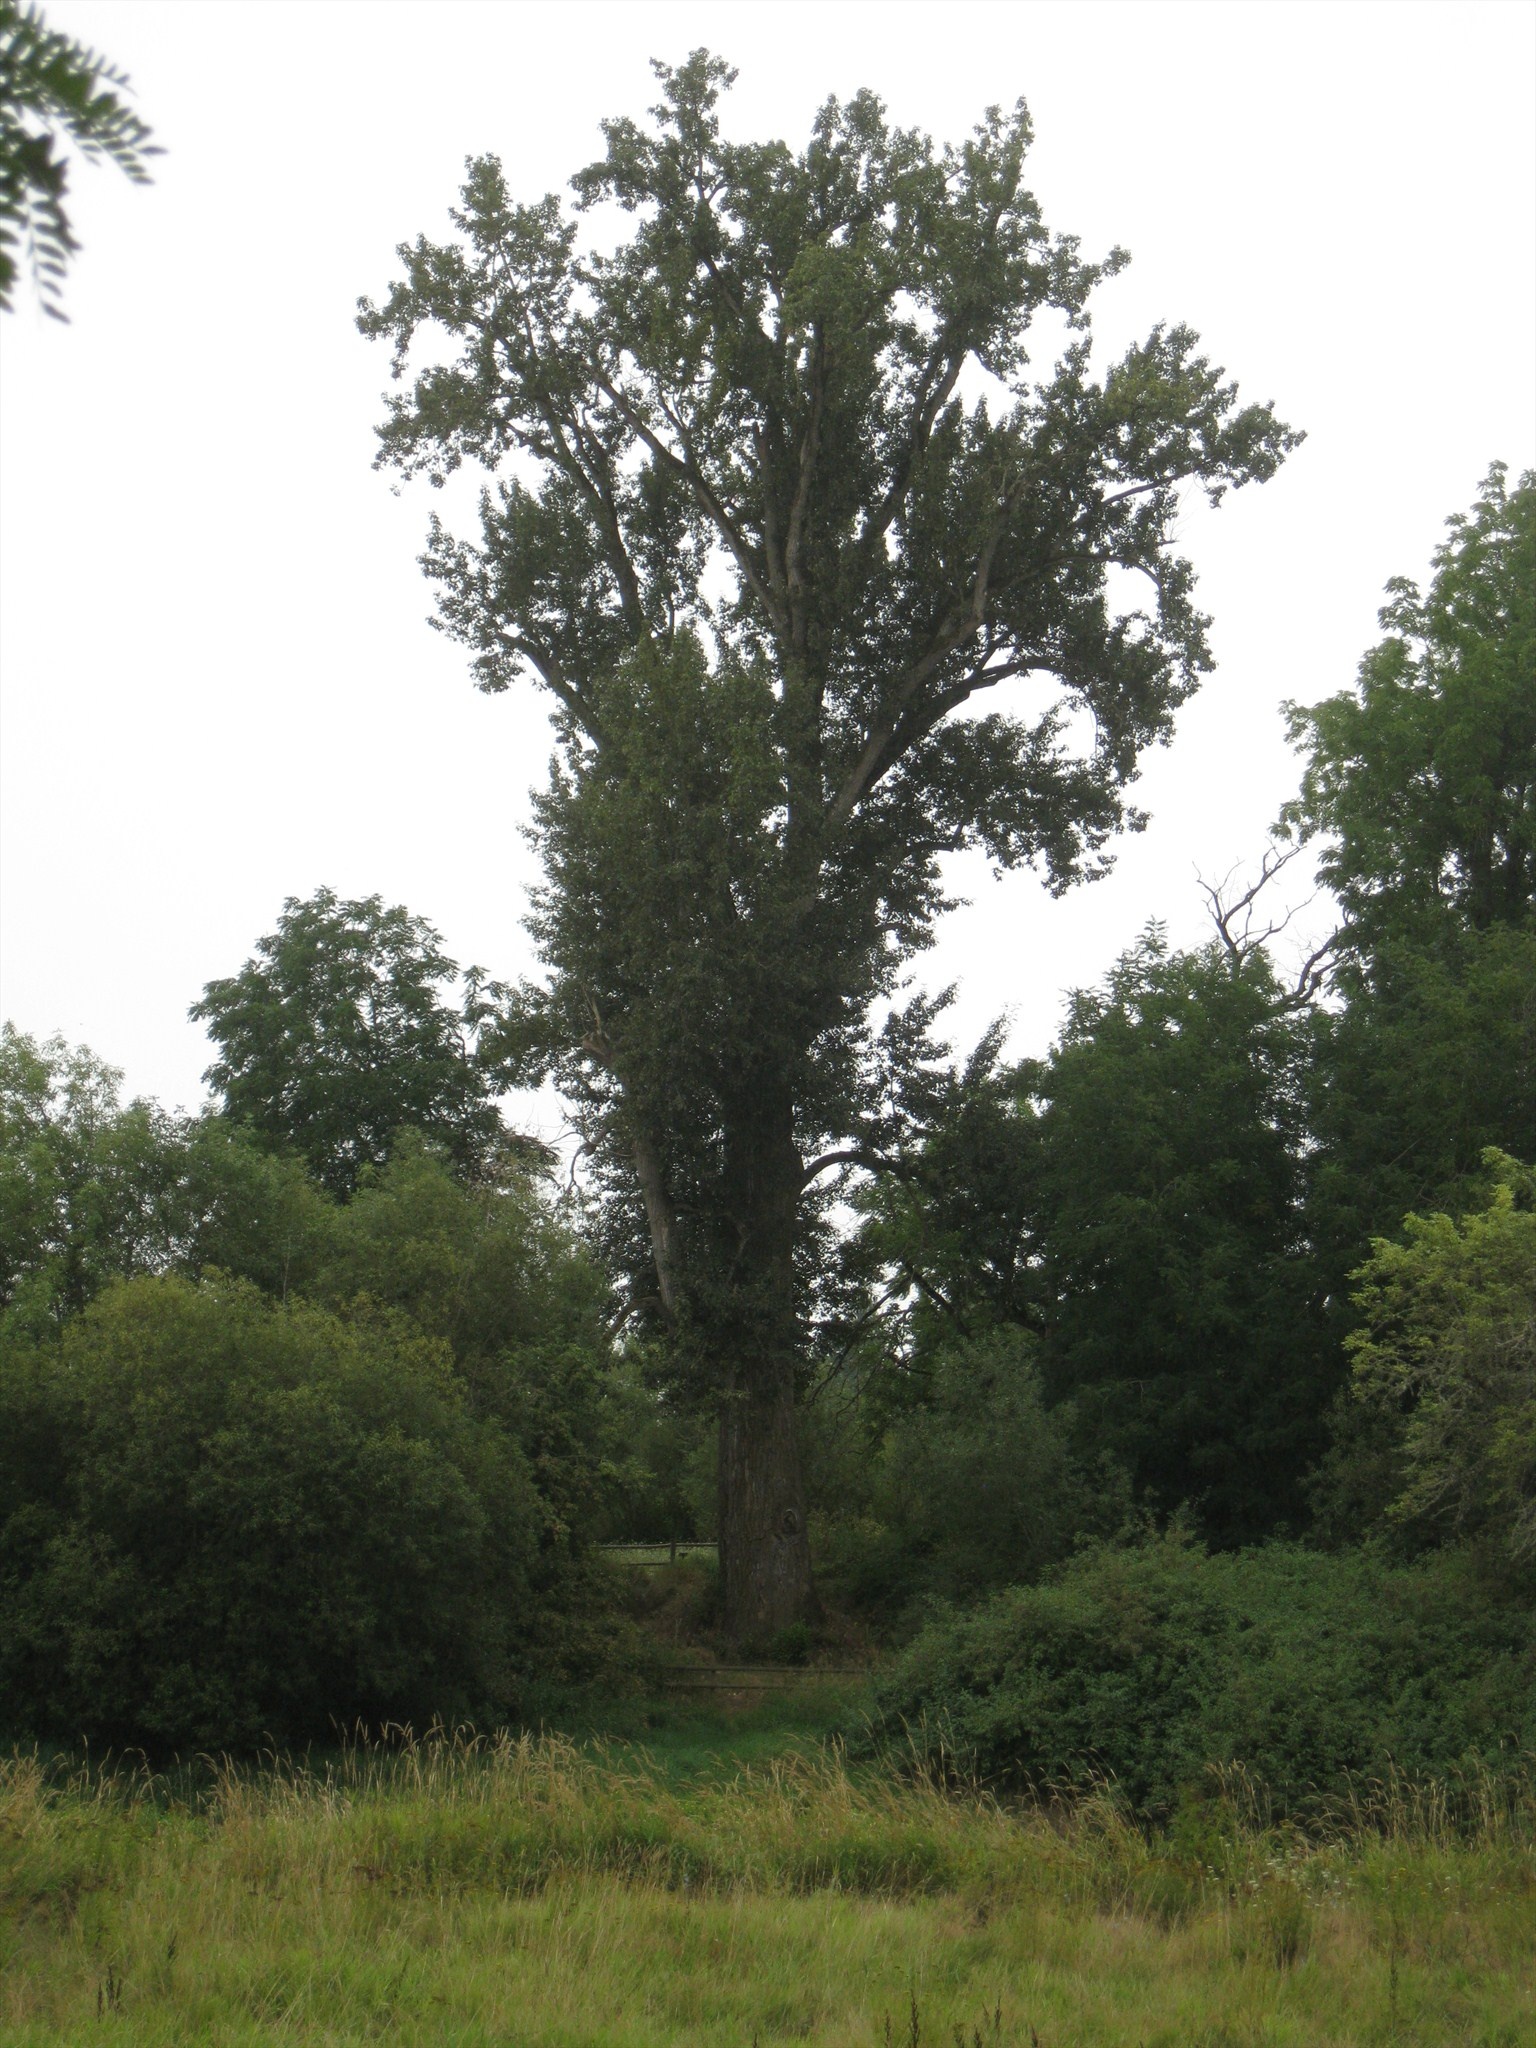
(721,1677)
(658,1553)
(753,1677)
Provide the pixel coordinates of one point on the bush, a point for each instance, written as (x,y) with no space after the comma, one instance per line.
(1152,1664)
(973,1487)
(223,1520)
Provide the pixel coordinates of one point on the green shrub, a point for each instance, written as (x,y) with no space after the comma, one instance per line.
(223,1520)
(1152,1664)
(973,1486)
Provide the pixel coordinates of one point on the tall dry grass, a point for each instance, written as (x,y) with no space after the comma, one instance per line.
(525,1889)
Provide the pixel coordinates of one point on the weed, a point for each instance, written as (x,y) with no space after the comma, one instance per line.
(109,1992)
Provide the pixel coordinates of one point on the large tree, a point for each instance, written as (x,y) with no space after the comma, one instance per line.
(778,507)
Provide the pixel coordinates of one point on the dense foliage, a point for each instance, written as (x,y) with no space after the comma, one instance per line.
(1169,1214)
(1420,783)
(1419,792)
(274,1461)
(222,1519)
(89,1187)
(1153,1663)
(1444,1377)
(1132,1209)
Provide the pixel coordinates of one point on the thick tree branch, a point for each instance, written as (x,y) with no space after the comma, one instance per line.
(569,446)
(794,532)
(773,551)
(877,755)
(854,1155)
(554,679)
(660,1217)
(704,496)
(600,484)
(1136,491)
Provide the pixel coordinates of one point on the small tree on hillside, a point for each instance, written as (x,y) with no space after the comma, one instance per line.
(780,508)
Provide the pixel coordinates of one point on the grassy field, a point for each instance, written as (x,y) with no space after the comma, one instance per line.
(531,1892)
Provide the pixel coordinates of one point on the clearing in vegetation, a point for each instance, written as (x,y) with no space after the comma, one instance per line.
(530,1890)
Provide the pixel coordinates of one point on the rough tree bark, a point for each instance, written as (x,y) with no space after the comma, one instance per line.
(735,1298)
(765,1559)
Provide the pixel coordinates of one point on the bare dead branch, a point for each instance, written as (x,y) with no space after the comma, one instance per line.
(1242,936)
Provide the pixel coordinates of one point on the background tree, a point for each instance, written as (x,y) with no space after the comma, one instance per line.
(1134,1203)
(91,1188)
(1421,782)
(1178,1312)
(1430,1060)
(337,1035)
(779,504)
(1420,790)
(51,89)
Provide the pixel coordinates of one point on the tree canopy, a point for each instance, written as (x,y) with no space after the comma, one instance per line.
(778,506)
(1421,782)
(1420,790)
(337,1035)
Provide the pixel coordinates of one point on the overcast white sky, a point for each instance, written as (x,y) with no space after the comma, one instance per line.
(219,687)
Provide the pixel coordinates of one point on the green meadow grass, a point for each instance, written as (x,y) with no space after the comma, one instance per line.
(684,1737)
(536,1892)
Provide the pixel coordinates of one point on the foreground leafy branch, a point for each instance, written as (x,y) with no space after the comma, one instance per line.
(53,92)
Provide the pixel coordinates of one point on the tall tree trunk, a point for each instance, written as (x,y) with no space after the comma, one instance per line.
(765,1558)
(727,1284)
